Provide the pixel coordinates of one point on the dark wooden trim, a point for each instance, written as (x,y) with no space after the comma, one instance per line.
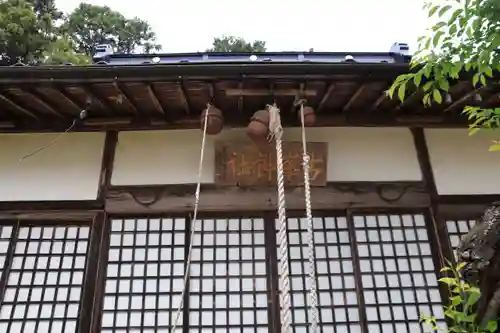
(435,223)
(354,118)
(197,71)
(357,272)
(461,211)
(273,302)
(100,273)
(335,196)
(187,291)
(89,294)
(468,199)
(8,259)
(108,157)
(50,210)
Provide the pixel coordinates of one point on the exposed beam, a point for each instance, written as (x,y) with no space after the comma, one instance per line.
(353,98)
(180,199)
(91,96)
(154,99)
(124,98)
(35,96)
(459,102)
(378,101)
(325,97)
(17,107)
(266,92)
(108,157)
(61,94)
(184,98)
(355,119)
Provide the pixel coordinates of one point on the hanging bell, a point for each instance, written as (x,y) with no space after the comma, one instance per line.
(215,120)
(258,128)
(309,116)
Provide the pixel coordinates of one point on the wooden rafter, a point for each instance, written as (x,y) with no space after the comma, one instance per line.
(17,107)
(354,98)
(124,98)
(325,97)
(154,100)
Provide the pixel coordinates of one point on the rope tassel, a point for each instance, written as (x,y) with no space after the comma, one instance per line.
(276,132)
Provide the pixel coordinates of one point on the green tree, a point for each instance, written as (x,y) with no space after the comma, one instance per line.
(61,51)
(23,34)
(463,43)
(90,25)
(236,44)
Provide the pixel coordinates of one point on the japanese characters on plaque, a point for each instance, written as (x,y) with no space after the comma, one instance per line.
(247,164)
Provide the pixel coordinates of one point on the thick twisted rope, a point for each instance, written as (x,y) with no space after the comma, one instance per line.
(193,220)
(276,131)
(313,298)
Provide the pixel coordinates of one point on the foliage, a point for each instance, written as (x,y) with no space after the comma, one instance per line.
(35,31)
(61,51)
(465,38)
(23,35)
(236,44)
(90,25)
(461,308)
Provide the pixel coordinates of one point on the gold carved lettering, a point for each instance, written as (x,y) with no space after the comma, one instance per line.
(249,165)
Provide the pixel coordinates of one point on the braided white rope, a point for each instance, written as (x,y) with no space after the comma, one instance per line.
(276,131)
(313,298)
(187,271)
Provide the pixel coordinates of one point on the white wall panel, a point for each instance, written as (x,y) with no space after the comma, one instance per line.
(354,154)
(461,163)
(67,170)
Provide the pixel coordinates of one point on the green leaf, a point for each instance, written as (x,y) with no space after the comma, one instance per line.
(438,26)
(454,301)
(488,71)
(453,29)
(495,147)
(402,91)
(475,79)
(433,10)
(444,269)
(454,16)
(417,79)
(443,84)
(492,326)
(448,281)
(473,298)
(473,131)
(437,37)
(436,94)
(443,10)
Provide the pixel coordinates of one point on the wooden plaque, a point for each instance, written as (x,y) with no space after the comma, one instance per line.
(247,164)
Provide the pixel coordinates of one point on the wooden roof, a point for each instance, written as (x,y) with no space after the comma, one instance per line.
(173,96)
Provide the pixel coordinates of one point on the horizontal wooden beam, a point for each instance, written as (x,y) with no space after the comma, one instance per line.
(351,119)
(50,210)
(335,196)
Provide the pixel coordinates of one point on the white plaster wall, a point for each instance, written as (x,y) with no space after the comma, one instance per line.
(67,170)
(354,154)
(461,163)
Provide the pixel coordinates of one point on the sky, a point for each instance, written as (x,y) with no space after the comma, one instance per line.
(325,25)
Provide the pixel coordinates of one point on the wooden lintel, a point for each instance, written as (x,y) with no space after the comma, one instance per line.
(180,198)
(49,215)
(265,92)
(357,119)
(461,212)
